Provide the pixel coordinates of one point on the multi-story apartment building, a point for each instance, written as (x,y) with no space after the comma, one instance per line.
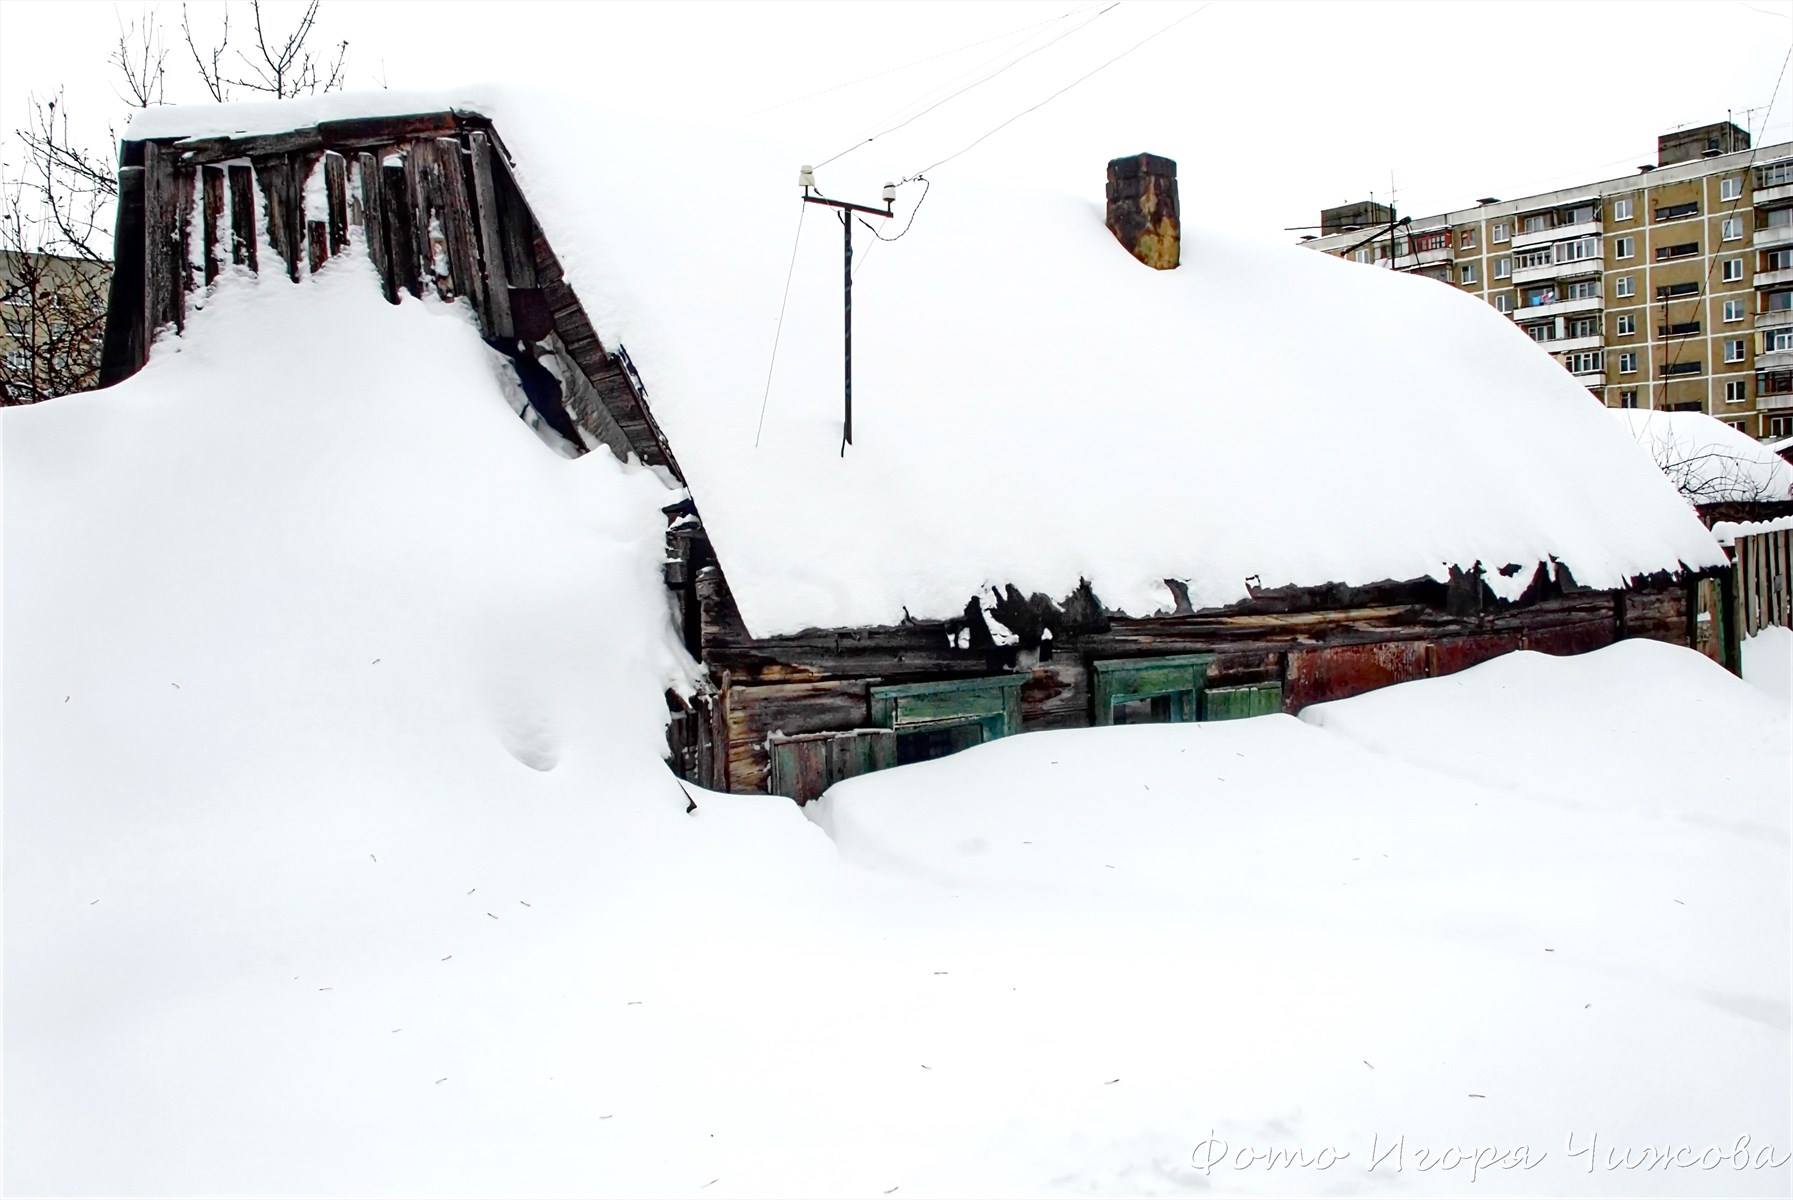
(1669,288)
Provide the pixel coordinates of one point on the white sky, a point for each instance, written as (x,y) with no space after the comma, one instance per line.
(1272,110)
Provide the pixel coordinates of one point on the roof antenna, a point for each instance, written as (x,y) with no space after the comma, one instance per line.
(806,179)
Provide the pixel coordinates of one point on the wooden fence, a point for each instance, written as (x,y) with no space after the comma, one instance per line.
(1764,581)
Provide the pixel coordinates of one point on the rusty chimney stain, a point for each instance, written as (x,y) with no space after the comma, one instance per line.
(1142,209)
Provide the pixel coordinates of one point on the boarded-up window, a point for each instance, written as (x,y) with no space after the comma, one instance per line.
(1136,690)
(805,766)
(1231,703)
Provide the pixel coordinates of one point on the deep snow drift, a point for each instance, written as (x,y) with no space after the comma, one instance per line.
(339,859)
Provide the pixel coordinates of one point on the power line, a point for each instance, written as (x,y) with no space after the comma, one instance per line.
(976,84)
(803,211)
(1001,37)
(925,186)
(1061,91)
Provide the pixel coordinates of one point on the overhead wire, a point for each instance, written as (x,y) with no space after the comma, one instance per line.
(1061,91)
(897,70)
(1010,65)
(802,211)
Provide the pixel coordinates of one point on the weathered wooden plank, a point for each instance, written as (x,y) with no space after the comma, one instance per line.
(373,217)
(185,182)
(517,226)
(336,200)
(281,204)
(161,241)
(1577,638)
(124,348)
(421,201)
(214,221)
(495,289)
(401,242)
(754,714)
(352,134)
(317,243)
(243,235)
(456,215)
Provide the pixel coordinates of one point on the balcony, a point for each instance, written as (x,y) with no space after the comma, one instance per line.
(1560,308)
(1773,235)
(1598,371)
(1592,265)
(1781,278)
(1568,345)
(1559,234)
(1778,318)
(1774,360)
(1772,195)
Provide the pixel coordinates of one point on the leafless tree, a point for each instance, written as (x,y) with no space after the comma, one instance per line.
(279,64)
(1711,472)
(56,208)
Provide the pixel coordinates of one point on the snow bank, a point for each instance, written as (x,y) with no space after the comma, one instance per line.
(1708,460)
(1032,406)
(1768,661)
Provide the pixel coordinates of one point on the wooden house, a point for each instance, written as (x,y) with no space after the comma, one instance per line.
(1060,509)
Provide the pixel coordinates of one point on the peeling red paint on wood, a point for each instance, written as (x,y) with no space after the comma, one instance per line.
(1335,672)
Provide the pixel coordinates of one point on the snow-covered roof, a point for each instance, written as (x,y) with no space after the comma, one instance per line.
(1708,461)
(1031,405)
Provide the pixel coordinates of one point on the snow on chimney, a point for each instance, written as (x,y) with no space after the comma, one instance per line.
(1142,209)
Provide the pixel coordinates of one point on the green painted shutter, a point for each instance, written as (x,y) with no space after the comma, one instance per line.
(1230,703)
(1177,679)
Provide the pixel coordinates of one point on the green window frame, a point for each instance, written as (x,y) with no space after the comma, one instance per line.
(805,765)
(933,719)
(1173,685)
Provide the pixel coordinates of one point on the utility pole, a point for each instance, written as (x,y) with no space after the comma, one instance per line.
(806,178)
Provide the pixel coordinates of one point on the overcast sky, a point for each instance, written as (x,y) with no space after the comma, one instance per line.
(1272,109)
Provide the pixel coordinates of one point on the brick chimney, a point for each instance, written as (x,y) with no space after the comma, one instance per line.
(1142,209)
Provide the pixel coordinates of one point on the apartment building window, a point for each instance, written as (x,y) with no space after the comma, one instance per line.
(1466,272)
(1542,333)
(1730,229)
(1675,212)
(1671,290)
(1730,189)
(1621,209)
(1503,302)
(1626,325)
(1734,350)
(1777,339)
(1466,240)
(1682,368)
(1777,302)
(1584,327)
(1780,427)
(1625,287)
(1536,223)
(1577,250)
(1584,289)
(1503,267)
(1625,247)
(1582,362)
(1774,383)
(1777,218)
(1777,260)
(1678,250)
(1502,232)
(1736,391)
(1628,398)
(1628,363)
(1733,310)
(1363,256)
